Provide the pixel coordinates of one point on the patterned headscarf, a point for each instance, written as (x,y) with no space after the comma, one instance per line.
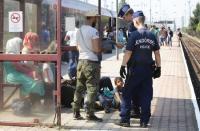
(29,37)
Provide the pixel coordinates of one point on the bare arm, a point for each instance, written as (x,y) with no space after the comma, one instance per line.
(118,96)
(126,57)
(157,57)
(96,47)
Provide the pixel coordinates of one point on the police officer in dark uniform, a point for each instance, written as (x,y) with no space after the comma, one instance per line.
(138,81)
(126,13)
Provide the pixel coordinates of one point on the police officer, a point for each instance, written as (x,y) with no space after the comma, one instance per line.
(138,81)
(126,14)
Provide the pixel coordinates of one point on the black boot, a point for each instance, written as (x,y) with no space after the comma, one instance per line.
(93,118)
(77,115)
(123,124)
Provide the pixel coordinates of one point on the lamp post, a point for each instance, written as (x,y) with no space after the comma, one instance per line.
(150,12)
(117,50)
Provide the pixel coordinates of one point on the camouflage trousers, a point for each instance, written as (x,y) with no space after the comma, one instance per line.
(88,76)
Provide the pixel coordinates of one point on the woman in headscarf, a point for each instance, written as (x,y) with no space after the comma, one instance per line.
(16,72)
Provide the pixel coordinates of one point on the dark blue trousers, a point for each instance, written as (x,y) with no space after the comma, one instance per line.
(137,86)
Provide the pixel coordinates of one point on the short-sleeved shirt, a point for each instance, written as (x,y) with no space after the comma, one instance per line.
(72,36)
(131,29)
(84,38)
(142,42)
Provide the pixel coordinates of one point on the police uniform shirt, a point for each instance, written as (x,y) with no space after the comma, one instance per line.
(142,42)
(131,28)
(84,37)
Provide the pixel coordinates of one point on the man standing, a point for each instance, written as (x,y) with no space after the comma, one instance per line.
(170,35)
(139,82)
(88,69)
(73,54)
(126,13)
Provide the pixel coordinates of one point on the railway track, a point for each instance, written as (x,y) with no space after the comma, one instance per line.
(192,48)
(192,54)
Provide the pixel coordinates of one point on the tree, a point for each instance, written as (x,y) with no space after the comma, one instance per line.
(198,27)
(194,21)
(196,12)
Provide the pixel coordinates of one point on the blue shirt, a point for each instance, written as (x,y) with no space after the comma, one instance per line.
(142,43)
(131,29)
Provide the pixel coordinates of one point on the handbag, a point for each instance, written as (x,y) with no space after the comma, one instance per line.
(99,55)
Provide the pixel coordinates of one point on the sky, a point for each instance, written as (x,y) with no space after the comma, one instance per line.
(175,10)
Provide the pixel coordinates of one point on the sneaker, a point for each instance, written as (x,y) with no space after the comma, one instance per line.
(93,118)
(77,116)
(143,125)
(124,124)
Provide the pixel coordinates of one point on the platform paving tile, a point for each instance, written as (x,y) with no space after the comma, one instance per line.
(172,108)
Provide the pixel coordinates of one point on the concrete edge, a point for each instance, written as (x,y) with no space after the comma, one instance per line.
(193,96)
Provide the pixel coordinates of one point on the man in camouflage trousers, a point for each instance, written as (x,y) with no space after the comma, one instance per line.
(88,69)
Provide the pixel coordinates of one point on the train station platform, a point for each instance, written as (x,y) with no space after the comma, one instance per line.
(172,107)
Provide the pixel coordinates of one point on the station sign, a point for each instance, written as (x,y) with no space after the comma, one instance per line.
(15,19)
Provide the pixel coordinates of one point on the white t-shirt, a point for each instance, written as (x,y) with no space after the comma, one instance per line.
(72,36)
(46,67)
(85,51)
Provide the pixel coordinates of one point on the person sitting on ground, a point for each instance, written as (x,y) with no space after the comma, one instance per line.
(106,94)
(119,83)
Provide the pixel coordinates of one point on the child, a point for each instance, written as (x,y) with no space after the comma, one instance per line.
(106,94)
(119,83)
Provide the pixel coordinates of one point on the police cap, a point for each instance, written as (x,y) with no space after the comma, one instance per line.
(123,10)
(137,14)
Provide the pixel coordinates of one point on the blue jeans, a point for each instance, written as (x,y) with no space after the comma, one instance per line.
(73,60)
(105,101)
